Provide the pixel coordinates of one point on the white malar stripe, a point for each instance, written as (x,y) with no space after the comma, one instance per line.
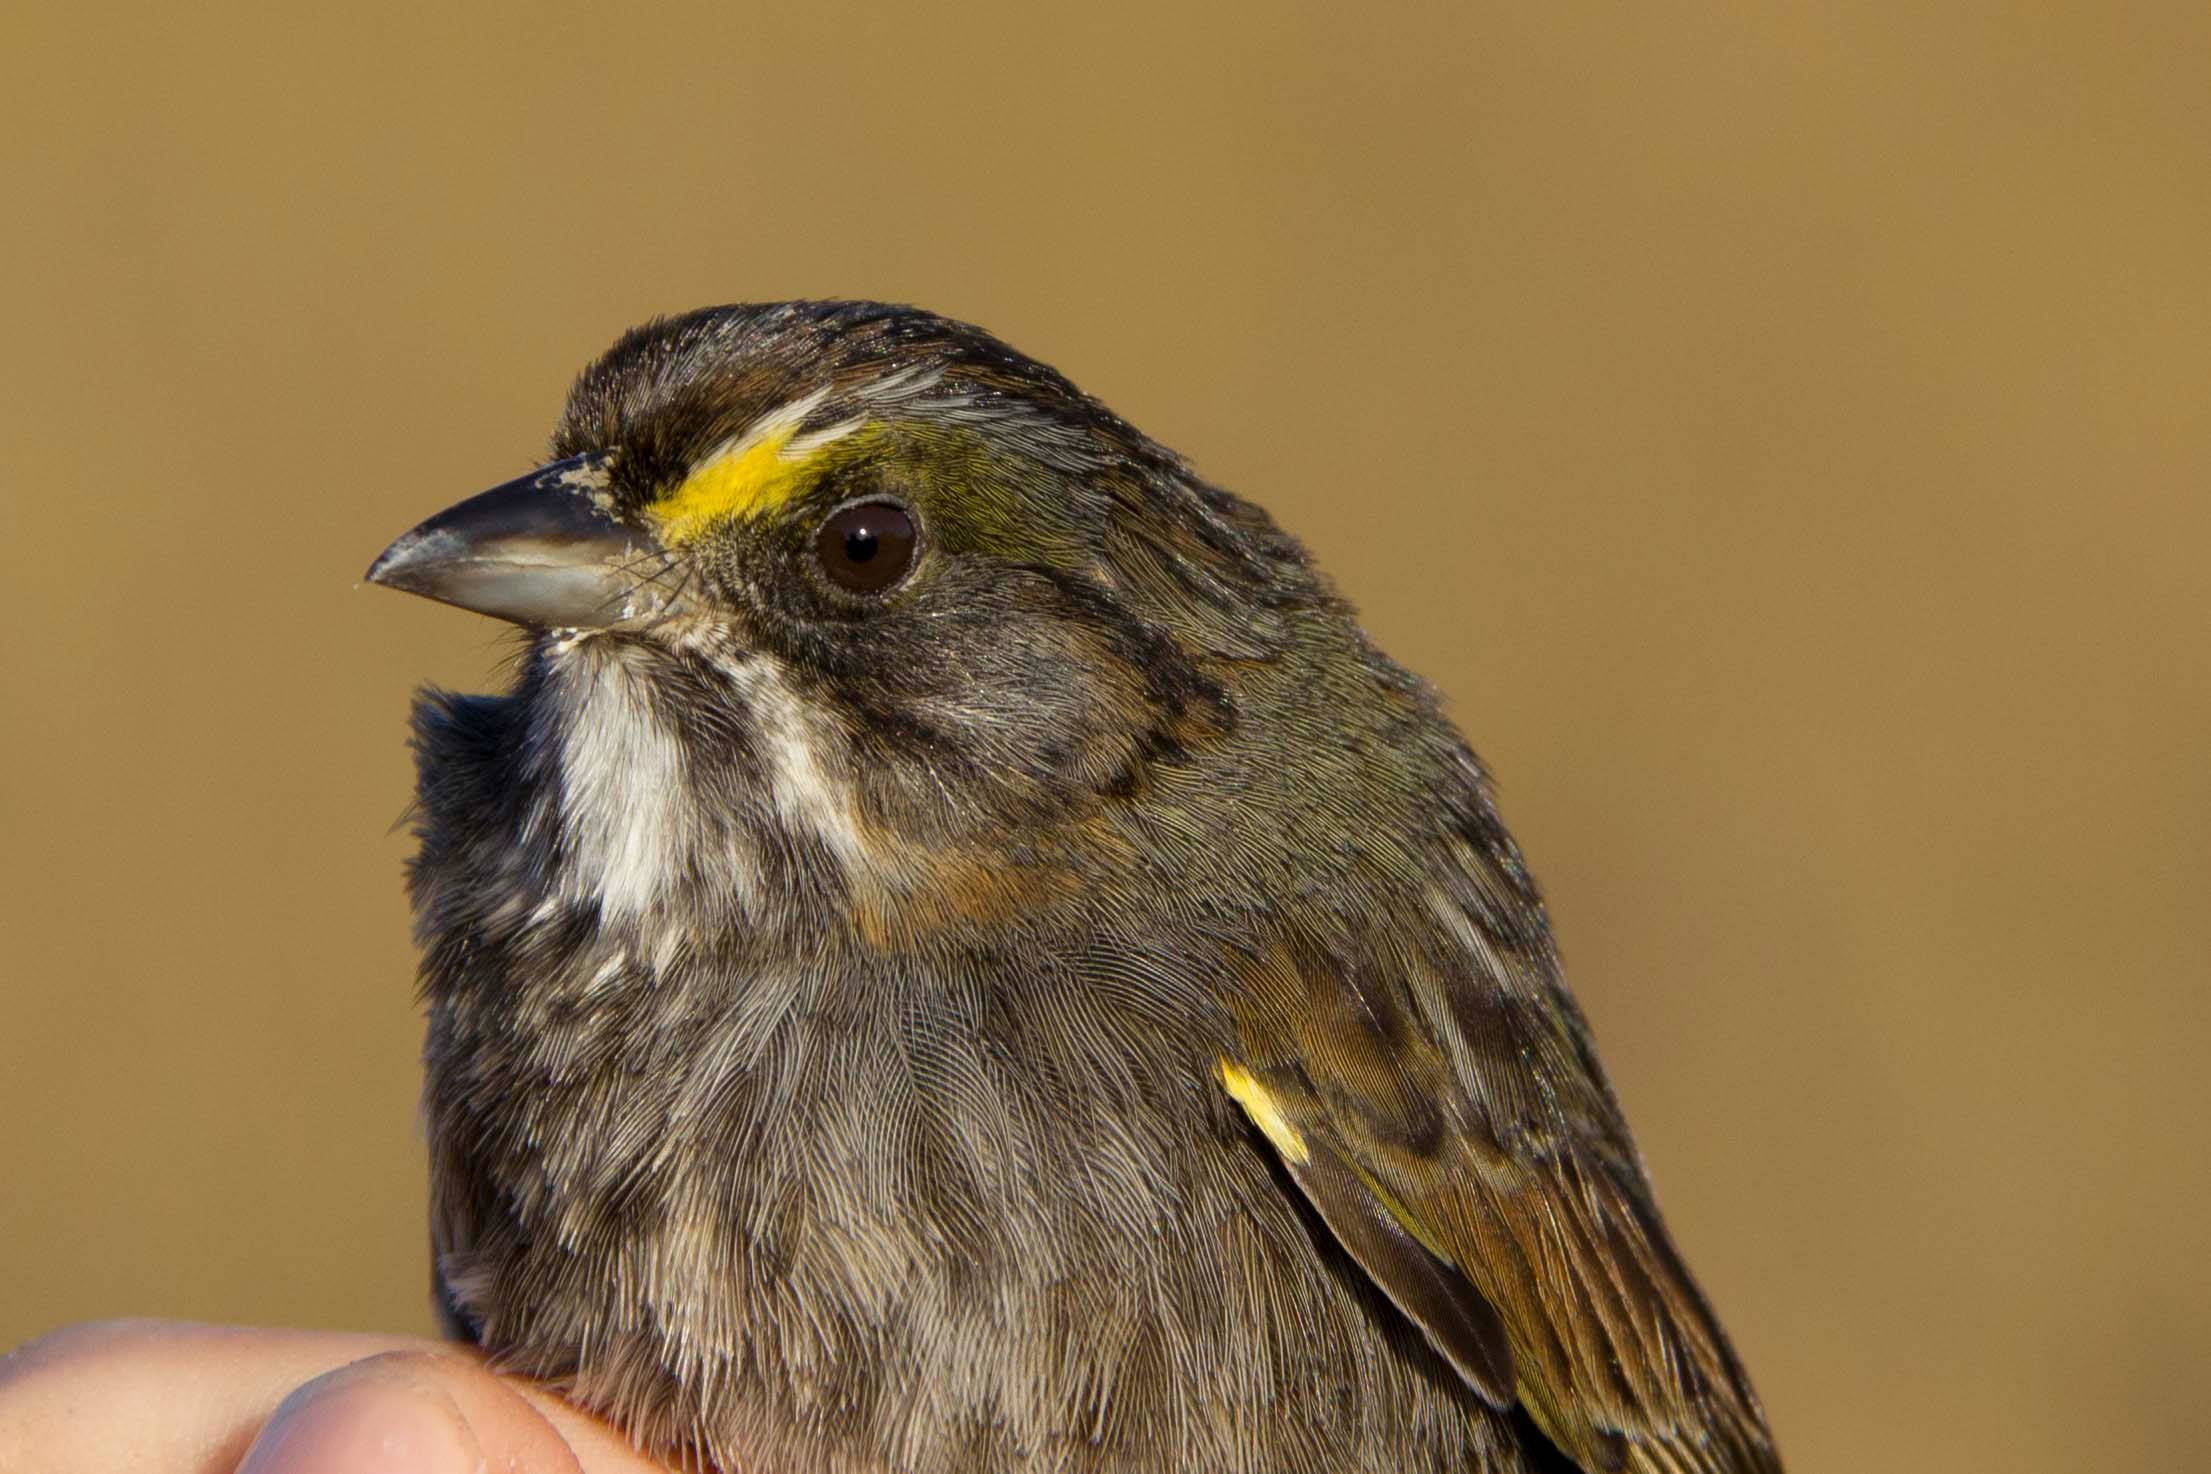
(628,815)
(789,737)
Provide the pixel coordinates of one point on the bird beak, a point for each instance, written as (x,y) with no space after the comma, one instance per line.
(541,550)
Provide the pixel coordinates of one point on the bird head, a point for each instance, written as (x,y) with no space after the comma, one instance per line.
(863,578)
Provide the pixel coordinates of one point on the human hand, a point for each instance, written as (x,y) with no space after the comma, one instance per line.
(166,1397)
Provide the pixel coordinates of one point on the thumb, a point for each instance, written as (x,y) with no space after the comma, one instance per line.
(426,1412)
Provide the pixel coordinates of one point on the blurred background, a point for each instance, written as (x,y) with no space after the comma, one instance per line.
(1782,432)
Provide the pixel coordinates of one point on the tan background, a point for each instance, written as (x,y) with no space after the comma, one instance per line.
(1782,431)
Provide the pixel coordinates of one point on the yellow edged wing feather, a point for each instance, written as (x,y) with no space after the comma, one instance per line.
(1462,1147)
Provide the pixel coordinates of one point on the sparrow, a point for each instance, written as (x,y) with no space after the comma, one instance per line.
(956,953)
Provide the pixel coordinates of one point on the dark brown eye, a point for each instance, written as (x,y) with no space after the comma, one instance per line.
(866,548)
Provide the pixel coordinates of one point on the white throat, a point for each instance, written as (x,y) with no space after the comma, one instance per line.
(630,815)
(625,810)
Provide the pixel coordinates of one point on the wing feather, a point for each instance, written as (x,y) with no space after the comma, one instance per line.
(1451,1126)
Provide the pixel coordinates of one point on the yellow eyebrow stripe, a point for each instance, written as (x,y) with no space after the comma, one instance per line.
(758,472)
(1247,1092)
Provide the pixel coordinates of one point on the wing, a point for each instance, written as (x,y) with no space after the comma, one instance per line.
(1437,1099)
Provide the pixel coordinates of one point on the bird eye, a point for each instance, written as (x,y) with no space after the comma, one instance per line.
(866,548)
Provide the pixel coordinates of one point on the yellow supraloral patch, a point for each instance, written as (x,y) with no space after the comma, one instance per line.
(755,473)
(1247,1092)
